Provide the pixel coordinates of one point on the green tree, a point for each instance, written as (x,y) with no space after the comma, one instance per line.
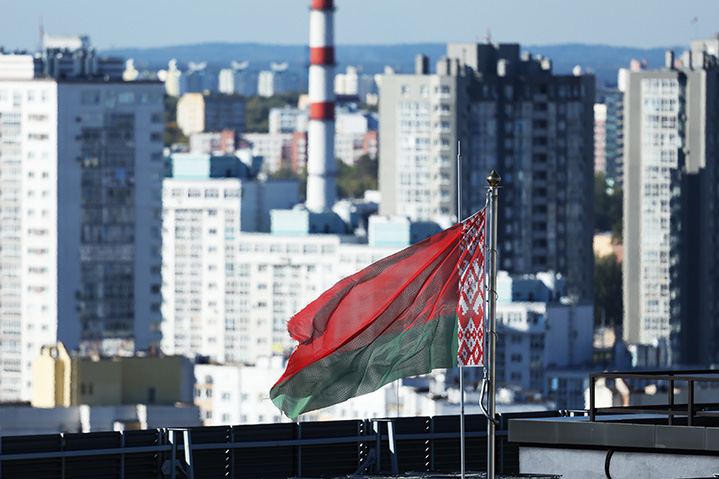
(257,109)
(353,181)
(608,301)
(607,208)
(173,134)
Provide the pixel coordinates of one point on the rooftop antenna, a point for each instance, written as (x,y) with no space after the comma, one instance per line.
(488,36)
(41,32)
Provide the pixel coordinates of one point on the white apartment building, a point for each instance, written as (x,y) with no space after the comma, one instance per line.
(202,224)
(534,336)
(239,394)
(238,79)
(172,78)
(191,113)
(288,119)
(671,243)
(273,147)
(80,258)
(275,276)
(229,293)
(226,81)
(353,82)
(266,83)
(508,112)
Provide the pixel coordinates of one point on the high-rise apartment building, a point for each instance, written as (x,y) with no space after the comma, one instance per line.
(80,176)
(232,295)
(508,112)
(671,201)
(614,136)
(600,138)
(209,202)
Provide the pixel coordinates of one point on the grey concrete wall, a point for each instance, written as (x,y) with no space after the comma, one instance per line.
(589,464)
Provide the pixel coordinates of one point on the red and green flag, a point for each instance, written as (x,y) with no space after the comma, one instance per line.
(419,309)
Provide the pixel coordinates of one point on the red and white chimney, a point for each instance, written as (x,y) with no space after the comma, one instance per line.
(321,162)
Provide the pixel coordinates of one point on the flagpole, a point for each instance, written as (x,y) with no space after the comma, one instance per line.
(461,367)
(493,179)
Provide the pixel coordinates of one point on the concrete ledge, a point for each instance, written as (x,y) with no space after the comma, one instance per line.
(591,464)
(630,435)
(680,437)
(578,431)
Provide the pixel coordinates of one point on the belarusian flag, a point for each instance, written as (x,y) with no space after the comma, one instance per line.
(419,309)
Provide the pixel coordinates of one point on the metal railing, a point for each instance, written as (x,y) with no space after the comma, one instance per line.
(689,411)
(304,449)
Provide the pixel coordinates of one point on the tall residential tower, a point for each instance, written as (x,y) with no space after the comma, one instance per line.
(508,112)
(671,205)
(80,175)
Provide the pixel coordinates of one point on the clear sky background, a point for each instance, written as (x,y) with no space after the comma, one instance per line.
(151,23)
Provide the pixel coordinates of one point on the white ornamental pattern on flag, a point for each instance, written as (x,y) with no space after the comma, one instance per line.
(470,308)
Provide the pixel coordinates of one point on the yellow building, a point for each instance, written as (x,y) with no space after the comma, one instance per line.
(62,381)
(191,113)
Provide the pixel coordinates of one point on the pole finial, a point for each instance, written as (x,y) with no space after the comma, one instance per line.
(493,179)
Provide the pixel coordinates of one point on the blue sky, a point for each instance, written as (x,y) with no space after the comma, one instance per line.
(148,23)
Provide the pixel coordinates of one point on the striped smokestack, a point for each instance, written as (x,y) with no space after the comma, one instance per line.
(321,163)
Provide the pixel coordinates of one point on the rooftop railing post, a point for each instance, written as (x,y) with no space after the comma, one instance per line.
(690,401)
(378,445)
(299,450)
(592,409)
(671,399)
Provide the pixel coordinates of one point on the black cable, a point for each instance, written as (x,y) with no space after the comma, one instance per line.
(607,461)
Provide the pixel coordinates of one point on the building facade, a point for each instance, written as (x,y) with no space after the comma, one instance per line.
(670,203)
(198,112)
(64,381)
(81,261)
(507,112)
(206,209)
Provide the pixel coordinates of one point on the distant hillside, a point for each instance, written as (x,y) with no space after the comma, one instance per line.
(601,59)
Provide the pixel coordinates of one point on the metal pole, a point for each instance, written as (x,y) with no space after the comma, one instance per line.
(461,368)
(461,419)
(493,179)
(459,183)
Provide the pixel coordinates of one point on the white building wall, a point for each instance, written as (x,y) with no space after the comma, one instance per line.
(269,146)
(28,119)
(534,336)
(266,83)
(226,81)
(200,219)
(25,420)
(661,141)
(239,394)
(288,120)
(43,157)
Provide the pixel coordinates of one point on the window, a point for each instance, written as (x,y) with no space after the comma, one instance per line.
(90,97)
